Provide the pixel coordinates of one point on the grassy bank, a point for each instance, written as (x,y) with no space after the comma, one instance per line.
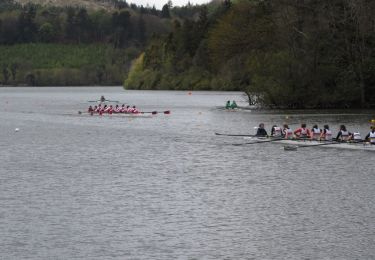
(62,64)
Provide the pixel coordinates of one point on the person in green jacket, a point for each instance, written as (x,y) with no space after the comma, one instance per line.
(227,106)
(234,105)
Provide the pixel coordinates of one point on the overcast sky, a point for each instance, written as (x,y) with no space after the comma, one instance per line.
(159,3)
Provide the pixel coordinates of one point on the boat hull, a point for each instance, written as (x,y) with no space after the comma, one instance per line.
(324,144)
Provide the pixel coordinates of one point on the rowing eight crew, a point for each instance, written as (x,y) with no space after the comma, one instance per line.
(110,109)
(316,133)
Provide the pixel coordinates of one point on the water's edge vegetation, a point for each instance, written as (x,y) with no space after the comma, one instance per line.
(282,54)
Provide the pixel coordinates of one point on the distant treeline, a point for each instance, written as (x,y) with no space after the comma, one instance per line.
(69,45)
(287,53)
(64,64)
(128,25)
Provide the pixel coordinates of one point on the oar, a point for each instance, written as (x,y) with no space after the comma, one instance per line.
(99,101)
(235,135)
(257,142)
(294,148)
(167,112)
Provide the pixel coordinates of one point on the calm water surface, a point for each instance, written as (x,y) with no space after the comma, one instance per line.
(81,187)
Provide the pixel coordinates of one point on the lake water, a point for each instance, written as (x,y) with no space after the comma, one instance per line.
(81,187)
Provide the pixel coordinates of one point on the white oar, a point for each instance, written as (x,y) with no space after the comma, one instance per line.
(295,147)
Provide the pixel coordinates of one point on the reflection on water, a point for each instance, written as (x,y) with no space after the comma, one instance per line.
(166,187)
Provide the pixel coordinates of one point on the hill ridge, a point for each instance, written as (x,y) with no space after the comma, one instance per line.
(88,4)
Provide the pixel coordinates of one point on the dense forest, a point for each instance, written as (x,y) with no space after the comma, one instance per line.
(46,45)
(284,54)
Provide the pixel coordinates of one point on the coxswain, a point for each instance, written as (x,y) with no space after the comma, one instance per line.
(343,134)
(90,110)
(261,131)
(371,135)
(276,131)
(227,106)
(288,133)
(302,132)
(234,105)
(326,134)
(315,132)
(102,99)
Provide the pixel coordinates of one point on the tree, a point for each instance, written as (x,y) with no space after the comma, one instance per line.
(27,28)
(82,25)
(70,28)
(122,28)
(13,70)
(165,12)
(47,32)
(5,75)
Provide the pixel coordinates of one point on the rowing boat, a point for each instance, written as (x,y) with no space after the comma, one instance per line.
(128,115)
(311,143)
(139,114)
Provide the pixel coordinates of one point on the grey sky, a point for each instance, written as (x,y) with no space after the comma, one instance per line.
(159,3)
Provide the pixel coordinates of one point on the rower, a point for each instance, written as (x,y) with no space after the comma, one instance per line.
(288,133)
(302,132)
(261,131)
(234,105)
(98,108)
(326,134)
(343,134)
(102,99)
(129,109)
(123,109)
(135,110)
(356,136)
(371,135)
(276,131)
(315,132)
(117,109)
(110,109)
(227,106)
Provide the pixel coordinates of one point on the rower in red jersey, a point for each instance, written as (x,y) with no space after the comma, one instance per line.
(116,109)
(129,109)
(135,110)
(98,108)
(109,109)
(302,132)
(123,109)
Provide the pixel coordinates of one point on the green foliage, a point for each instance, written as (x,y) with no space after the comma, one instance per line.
(61,64)
(46,32)
(288,54)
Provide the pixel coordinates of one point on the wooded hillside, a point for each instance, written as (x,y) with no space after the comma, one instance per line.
(287,53)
